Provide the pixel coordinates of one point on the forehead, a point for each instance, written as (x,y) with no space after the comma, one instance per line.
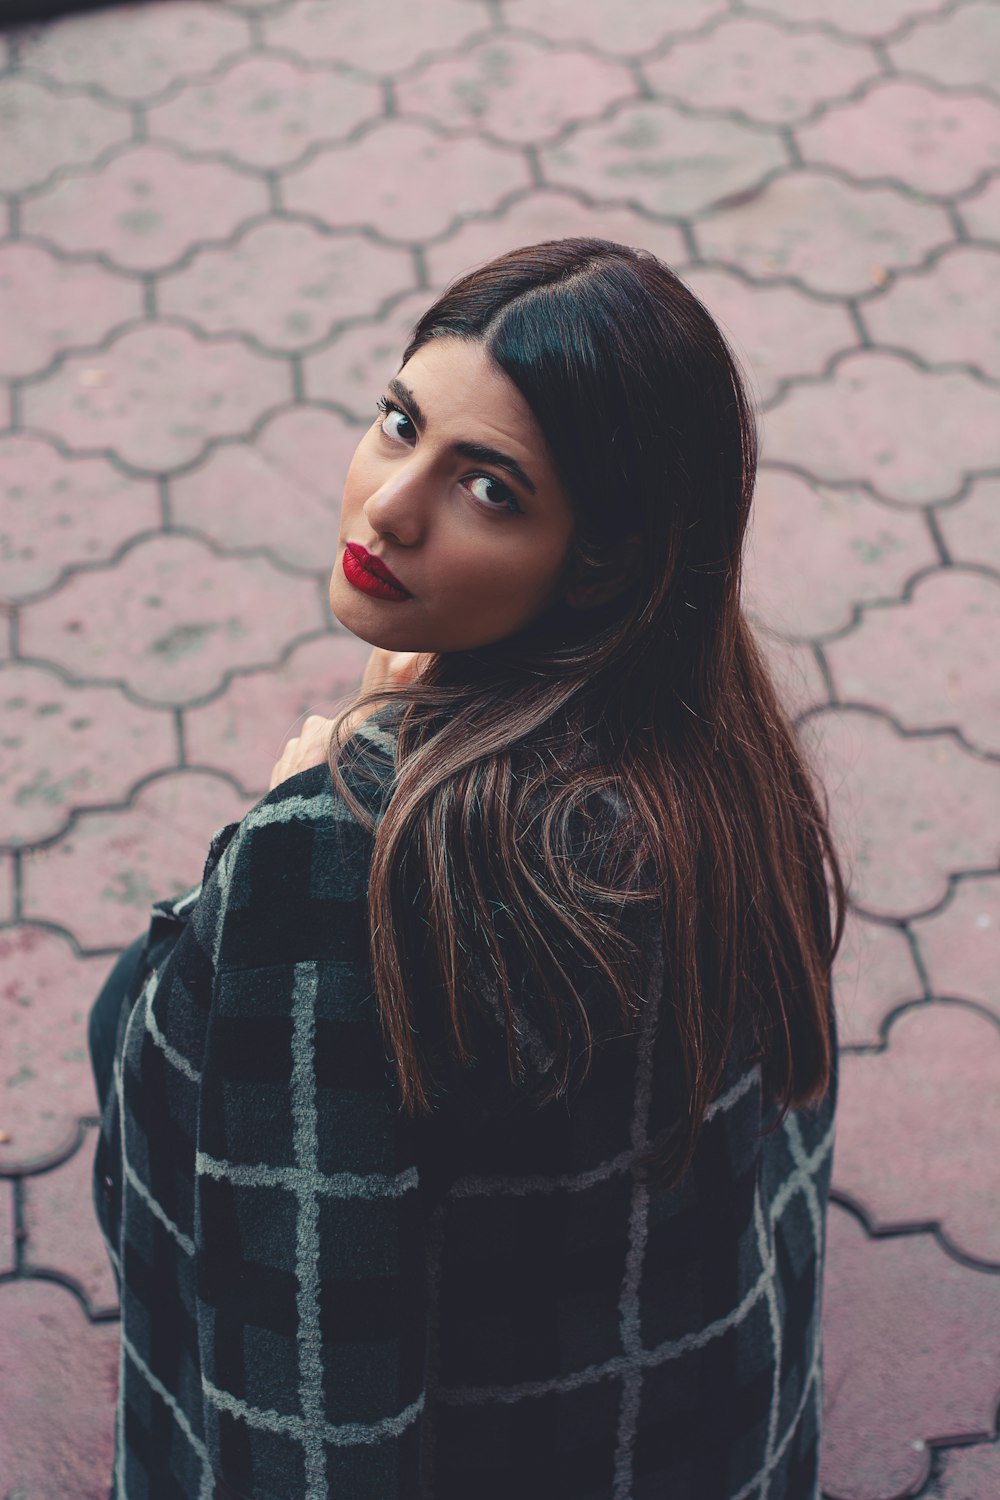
(456,382)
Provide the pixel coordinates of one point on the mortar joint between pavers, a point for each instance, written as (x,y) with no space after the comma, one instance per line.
(981,91)
(916,952)
(110,808)
(61,89)
(937,536)
(45,924)
(255,26)
(860,609)
(857,320)
(937,13)
(904,731)
(140,124)
(69,1283)
(272,181)
(880,52)
(165,503)
(17,888)
(16,1172)
(180,734)
(839,34)
(297,370)
(908,1230)
(198,700)
(494,10)
(960,228)
(824,668)
(421,274)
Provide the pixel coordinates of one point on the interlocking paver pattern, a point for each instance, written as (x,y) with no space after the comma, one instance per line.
(221,220)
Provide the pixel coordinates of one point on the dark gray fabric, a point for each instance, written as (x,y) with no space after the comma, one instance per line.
(322,1297)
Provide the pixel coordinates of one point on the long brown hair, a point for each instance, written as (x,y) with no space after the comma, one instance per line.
(631,760)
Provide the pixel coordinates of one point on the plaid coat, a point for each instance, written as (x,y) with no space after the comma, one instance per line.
(321,1297)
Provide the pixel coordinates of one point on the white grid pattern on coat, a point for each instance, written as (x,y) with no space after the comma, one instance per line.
(309,1184)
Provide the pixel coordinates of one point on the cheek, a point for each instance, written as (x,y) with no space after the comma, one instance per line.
(358,482)
(510,579)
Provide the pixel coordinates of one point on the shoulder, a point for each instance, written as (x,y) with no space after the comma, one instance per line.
(291,882)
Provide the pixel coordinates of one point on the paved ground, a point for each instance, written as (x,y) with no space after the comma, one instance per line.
(221,219)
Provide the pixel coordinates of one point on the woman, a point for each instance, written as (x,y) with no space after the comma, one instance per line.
(470,1124)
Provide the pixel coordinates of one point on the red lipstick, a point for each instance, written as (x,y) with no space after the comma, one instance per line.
(370,574)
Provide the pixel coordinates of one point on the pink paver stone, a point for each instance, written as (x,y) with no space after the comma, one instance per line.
(158,396)
(266,110)
(102,876)
(621,29)
(56,512)
(172,619)
(345,33)
(53,1361)
(548,214)
(960,944)
(244,731)
(68,747)
(281,492)
(907,812)
(868,18)
(970,1473)
(874,972)
(666,161)
(777,331)
(137,51)
(46,992)
(932,1102)
(43,131)
(47,306)
(911,434)
(971,528)
(795,671)
(835,237)
(515,88)
(961,47)
(350,182)
(937,143)
(982,212)
(353,370)
(815,553)
(931,662)
(897,1314)
(62,1227)
(287,284)
(146,208)
(757,68)
(948,314)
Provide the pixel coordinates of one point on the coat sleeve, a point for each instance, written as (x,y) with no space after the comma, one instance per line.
(309,1206)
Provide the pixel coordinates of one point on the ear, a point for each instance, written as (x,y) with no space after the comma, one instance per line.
(600,581)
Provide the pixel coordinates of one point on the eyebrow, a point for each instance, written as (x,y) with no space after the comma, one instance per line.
(479,453)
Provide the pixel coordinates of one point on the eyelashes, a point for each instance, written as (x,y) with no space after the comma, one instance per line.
(505,498)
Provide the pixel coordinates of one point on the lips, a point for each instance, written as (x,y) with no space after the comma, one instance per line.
(370,574)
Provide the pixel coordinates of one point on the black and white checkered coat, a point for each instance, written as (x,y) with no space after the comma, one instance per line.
(321,1297)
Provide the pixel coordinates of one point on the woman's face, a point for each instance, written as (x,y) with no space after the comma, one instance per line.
(453,491)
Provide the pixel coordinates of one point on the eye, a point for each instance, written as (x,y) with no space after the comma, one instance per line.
(492,494)
(395,430)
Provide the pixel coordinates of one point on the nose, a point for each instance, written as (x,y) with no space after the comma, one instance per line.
(398,509)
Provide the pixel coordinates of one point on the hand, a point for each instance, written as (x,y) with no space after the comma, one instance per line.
(311,747)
